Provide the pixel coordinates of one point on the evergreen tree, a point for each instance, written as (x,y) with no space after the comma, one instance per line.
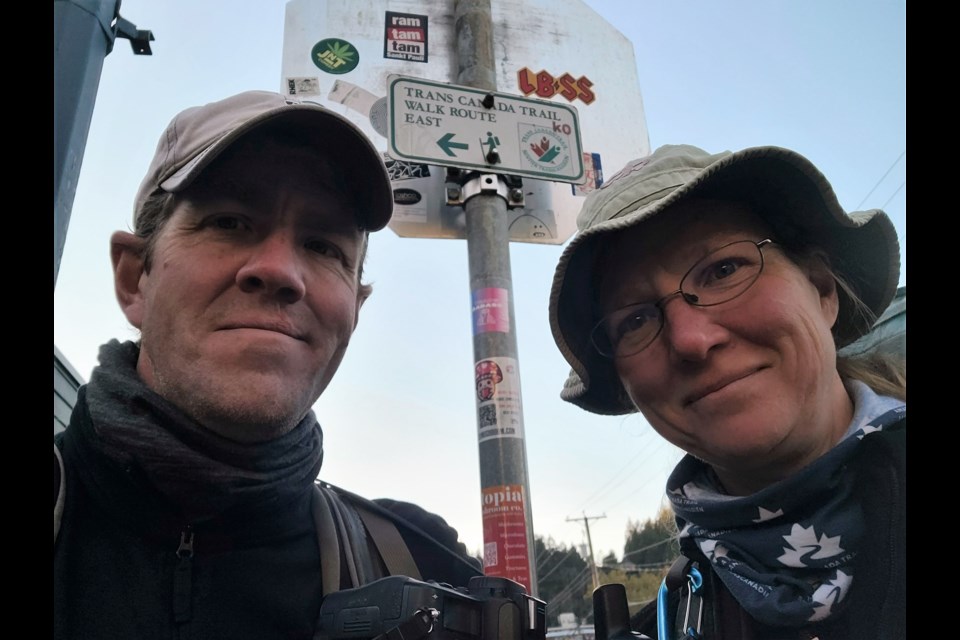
(562,577)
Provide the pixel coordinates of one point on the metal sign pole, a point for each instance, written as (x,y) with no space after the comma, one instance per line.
(84,32)
(82,38)
(507,521)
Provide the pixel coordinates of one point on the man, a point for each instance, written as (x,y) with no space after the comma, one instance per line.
(189,463)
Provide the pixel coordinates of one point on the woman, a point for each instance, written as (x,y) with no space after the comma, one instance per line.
(711,293)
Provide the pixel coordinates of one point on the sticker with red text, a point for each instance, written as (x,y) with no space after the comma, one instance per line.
(505,551)
(405,37)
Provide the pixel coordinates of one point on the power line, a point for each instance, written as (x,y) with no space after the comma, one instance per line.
(661,449)
(667,540)
(881,180)
(902,185)
(628,465)
(561,558)
(631,493)
(547,550)
(593,564)
(575,587)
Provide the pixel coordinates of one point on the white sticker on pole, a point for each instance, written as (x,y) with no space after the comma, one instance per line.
(499,411)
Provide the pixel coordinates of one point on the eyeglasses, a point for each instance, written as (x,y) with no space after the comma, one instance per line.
(718,277)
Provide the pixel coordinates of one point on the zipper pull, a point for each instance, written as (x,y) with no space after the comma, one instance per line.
(183,577)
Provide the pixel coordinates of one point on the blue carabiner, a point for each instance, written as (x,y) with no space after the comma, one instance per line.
(695,579)
(693,615)
(663,623)
(694,583)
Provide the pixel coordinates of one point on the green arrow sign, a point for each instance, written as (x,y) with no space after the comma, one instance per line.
(446,143)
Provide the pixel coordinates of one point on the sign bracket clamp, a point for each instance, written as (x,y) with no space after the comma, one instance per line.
(462,185)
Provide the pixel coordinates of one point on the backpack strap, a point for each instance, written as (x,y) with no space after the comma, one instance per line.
(394,551)
(59,491)
(371,544)
(327,540)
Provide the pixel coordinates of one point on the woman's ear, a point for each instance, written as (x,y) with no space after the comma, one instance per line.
(127,253)
(821,275)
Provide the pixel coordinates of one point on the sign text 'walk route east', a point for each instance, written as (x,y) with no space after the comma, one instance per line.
(469,128)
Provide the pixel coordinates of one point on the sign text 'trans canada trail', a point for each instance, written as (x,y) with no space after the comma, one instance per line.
(457,126)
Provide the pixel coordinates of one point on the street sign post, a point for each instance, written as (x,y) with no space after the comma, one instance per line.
(470,128)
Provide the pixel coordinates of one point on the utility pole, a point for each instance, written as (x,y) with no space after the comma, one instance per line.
(503,156)
(508,523)
(593,562)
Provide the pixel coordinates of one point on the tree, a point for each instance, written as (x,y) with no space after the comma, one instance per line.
(654,542)
(562,577)
(641,587)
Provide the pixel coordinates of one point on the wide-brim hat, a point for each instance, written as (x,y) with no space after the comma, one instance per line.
(198,135)
(782,186)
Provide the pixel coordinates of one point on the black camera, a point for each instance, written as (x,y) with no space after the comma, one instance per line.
(402,608)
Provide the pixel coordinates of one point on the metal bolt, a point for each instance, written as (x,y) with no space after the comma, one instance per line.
(487,100)
(453,193)
(493,156)
(516,195)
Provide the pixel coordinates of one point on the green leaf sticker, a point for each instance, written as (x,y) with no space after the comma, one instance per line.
(335,55)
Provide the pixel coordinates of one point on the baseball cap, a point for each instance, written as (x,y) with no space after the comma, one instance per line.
(782,186)
(198,135)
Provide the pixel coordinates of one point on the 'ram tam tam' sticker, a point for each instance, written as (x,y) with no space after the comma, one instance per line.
(405,37)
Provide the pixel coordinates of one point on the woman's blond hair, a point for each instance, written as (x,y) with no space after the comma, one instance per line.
(885,373)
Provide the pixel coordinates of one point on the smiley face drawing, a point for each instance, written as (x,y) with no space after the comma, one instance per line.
(528,226)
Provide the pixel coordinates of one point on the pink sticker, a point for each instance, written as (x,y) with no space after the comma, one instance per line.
(491,310)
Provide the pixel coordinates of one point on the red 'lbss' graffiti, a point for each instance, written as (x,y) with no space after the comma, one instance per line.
(546,86)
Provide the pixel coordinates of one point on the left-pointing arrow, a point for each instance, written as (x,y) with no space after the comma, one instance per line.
(447,144)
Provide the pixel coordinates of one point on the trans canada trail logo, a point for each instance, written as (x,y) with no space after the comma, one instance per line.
(545,150)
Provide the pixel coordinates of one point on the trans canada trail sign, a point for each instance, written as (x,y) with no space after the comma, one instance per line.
(474,129)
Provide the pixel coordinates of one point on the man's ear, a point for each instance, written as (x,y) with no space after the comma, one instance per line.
(127,253)
(363,292)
